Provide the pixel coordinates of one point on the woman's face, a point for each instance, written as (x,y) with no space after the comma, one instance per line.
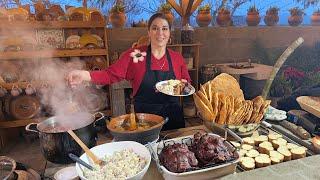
(159,32)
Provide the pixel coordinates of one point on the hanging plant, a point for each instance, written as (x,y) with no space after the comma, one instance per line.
(204,17)
(224,18)
(296,17)
(117,16)
(272,17)
(253,18)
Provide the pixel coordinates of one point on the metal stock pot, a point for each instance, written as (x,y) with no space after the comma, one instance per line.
(56,143)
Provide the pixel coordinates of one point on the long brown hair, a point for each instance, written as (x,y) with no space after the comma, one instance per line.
(155,16)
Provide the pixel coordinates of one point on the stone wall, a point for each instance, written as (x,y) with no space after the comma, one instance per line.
(227,44)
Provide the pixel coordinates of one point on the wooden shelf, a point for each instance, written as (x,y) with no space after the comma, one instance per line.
(24,122)
(183,45)
(51,24)
(52,53)
(193,69)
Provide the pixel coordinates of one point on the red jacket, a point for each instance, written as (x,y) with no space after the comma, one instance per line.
(125,68)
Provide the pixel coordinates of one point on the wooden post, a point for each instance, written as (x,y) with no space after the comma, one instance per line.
(84,3)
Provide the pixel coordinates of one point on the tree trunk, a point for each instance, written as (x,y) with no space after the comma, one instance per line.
(278,65)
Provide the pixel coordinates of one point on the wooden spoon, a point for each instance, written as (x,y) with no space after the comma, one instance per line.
(94,158)
(133,122)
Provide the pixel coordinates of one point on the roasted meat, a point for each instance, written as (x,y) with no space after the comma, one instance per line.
(210,149)
(177,158)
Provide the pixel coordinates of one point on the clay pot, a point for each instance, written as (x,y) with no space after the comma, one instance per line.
(253,18)
(204,18)
(224,19)
(315,19)
(15,90)
(30,89)
(118,19)
(295,20)
(169,16)
(271,19)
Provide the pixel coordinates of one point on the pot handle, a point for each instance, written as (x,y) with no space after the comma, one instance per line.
(166,119)
(99,119)
(32,127)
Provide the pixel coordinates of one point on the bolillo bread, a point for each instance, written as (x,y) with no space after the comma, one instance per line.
(298,152)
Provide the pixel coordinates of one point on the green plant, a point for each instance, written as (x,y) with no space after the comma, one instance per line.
(166,7)
(224,11)
(117,8)
(206,8)
(280,86)
(273,10)
(296,11)
(253,9)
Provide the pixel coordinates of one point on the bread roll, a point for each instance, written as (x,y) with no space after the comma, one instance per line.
(246,147)
(265,147)
(291,146)
(262,161)
(260,139)
(252,153)
(285,152)
(277,155)
(274,160)
(273,136)
(279,142)
(298,152)
(247,163)
(248,140)
(242,152)
(236,144)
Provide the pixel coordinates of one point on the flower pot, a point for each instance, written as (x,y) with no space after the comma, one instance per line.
(204,18)
(223,19)
(169,16)
(253,18)
(118,19)
(271,19)
(315,19)
(295,20)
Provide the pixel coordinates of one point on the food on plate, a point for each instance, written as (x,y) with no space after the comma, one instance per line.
(262,161)
(265,147)
(274,136)
(178,158)
(298,152)
(285,152)
(247,163)
(279,142)
(174,87)
(205,149)
(248,140)
(246,147)
(252,153)
(291,146)
(242,152)
(222,101)
(260,139)
(120,165)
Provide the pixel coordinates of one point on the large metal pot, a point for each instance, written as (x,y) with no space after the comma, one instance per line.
(142,136)
(56,143)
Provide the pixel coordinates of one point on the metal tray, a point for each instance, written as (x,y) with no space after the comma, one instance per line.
(205,173)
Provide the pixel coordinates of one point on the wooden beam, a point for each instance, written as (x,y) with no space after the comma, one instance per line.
(184,4)
(175,6)
(188,12)
(195,5)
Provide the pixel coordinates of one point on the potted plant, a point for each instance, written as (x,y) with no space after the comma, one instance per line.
(315,18)
(117,16)
(272,16)
(166,10)
(253,17)
(204,17)
(224,18)
(296,17)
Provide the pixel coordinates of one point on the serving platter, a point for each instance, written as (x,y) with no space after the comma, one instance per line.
(165,88)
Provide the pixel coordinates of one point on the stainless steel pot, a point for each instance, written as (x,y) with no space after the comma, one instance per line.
(56,143)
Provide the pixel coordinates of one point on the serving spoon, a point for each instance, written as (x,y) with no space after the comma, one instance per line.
(94,158)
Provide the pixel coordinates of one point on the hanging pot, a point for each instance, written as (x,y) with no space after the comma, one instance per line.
(56,143)
(118,19)
(15,90)
(295,20)
(204,18)
(271,19)
(315,19)
(30,89)
(253,18)
(224,18)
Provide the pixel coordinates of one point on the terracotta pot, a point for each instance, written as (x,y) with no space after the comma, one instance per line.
(169,16)
(295,20)
(204,18)
(223,19)
(315,19)
(271,19)
(253,18)
(118,20)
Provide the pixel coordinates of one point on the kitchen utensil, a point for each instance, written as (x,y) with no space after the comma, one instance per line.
(133,123)
(296,130)
(80,161)
(95,159)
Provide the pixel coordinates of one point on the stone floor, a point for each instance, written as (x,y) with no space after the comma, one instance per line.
(27,151)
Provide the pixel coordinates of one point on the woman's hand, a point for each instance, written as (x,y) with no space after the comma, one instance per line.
(76,77)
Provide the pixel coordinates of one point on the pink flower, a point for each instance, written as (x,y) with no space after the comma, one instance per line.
(137,55)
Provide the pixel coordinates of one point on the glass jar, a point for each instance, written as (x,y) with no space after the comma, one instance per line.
(187,34)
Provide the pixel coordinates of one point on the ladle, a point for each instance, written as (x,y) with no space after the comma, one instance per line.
(94,158)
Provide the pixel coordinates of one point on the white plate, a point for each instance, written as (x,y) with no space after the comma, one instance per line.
(161,84)
(66,173)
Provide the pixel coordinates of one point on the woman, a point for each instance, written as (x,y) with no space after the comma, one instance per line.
(154,63)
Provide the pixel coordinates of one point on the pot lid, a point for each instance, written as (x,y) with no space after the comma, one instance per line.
(24,107)
(62,123)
